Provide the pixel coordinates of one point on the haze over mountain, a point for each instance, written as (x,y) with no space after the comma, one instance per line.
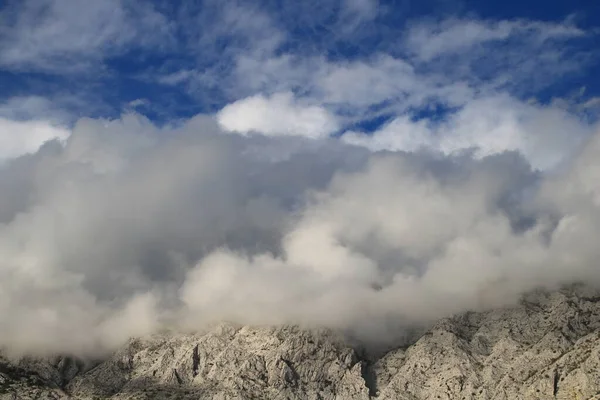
(547,347)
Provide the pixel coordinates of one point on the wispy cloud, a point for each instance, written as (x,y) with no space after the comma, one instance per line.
(428,40)
(426,64)
(545,135)
(70,36)
(329,53)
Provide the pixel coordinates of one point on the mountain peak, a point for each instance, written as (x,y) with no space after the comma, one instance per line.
(546,347)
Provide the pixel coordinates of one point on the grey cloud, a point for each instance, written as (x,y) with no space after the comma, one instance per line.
(129,228)
(123,208)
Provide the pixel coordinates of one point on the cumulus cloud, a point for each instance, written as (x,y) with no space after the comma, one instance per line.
(279,114)
(122,208)
(545,135)
(128,228)
(406,240)
(23,137)
(467,197)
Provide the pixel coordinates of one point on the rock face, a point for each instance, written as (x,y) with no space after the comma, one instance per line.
(548,347)
(229,363)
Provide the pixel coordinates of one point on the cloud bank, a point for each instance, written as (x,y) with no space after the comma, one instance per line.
(128,228)
(351,181)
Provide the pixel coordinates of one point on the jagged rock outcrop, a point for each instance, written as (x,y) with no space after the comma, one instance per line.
(18,382)
(227,363)
(548,347)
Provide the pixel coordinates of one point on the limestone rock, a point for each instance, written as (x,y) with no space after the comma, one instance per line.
(548,347)
(230,362)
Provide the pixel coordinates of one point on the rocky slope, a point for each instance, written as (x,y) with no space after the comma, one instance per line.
(548,347)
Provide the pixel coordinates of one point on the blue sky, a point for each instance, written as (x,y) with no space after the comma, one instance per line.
(177,59)
(394,75)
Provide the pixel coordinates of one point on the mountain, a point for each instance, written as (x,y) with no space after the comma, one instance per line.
(546,347)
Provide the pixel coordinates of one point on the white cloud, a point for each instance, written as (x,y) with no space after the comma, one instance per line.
(68,35)
(544,135)
(176,77)
(361,84)
(26,108)
(435,240)
(129,227)
(429,40)
(176,194)
(279,114)
(25,137)
(446,66)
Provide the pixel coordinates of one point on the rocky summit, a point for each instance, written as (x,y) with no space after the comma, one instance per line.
(546,347)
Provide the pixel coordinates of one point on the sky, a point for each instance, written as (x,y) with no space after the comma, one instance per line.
(363,165)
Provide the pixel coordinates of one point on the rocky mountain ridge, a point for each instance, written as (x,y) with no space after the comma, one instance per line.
(547,347)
